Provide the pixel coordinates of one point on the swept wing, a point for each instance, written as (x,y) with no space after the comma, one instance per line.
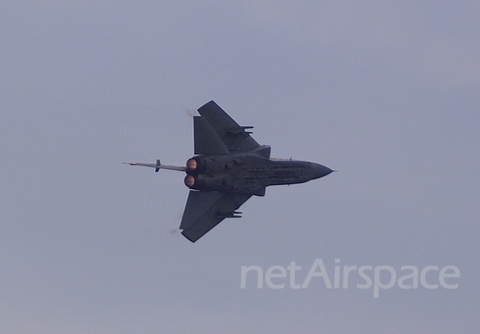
(204,210)
(216,132)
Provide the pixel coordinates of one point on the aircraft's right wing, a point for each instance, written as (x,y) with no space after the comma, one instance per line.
(205,209)
(234,137)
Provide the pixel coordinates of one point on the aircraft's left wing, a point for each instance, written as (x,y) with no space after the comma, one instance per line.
(205,209)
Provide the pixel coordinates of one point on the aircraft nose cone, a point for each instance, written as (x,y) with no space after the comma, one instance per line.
(321,170)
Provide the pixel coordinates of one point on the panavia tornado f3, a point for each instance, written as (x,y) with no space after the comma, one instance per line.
(228,168)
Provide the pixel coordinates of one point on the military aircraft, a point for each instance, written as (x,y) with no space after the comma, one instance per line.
(228,168)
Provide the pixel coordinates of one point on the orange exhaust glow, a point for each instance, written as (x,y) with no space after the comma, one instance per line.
(191,164)
(189,181)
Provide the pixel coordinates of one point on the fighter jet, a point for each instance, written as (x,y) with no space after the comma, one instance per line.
(228,168)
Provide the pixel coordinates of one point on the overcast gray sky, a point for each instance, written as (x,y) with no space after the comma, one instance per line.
(385,92)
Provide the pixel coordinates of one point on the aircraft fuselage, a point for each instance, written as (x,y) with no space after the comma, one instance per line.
(247,172)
